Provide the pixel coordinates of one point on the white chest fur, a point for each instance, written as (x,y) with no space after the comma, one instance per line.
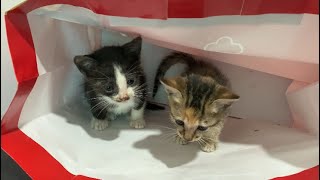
(122,107)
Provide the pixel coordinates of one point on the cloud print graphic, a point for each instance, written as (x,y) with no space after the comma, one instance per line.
(225,44)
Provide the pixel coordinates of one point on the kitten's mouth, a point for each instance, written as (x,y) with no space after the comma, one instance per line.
(122,99)
(190,140)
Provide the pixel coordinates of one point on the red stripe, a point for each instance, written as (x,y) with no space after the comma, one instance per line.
(10,119)
(203,8)
(308,174)
(206,8)
(156,9)
(29,155)
(21,46)
(32,158)
(162,9)
(251,7)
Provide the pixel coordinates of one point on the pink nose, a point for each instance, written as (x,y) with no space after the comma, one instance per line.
(124,97)
(188,138)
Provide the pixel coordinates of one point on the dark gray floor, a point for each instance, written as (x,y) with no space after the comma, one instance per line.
(10,170)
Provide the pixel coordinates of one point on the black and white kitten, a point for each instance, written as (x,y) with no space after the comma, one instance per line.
(114,83)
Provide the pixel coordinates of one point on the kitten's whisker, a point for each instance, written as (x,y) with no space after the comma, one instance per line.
(141,92)
(165,127)
(134,65)
(142,84)
(131,70)
(97,79)
(171,138)
(96,105)
(207,138)
(166,136)
(98,108)
(91,91)
(204,142)
(101,73)
(97,97)
(201,143)
(140,89)
(103,110)
(139,100)
(140,95)
(168,131)
(133,74)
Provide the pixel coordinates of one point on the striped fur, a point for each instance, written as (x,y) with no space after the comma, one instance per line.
(200,97)
(167,62)
(193,66)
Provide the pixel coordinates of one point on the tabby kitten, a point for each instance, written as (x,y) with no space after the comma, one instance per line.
(114,84)
(199,100)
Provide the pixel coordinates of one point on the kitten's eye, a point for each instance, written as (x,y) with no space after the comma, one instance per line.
(179,122)
(130,81)
(109,88)
(202,128)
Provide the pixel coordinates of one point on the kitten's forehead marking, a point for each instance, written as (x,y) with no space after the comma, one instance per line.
(120,79)
(190,117)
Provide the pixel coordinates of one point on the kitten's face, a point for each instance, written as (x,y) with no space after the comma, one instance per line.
(196,110)
(118,85)
(114,72)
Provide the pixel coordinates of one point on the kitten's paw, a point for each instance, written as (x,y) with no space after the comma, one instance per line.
(209,147)
(99,124)
(179,140)
(111,117)
(138,124)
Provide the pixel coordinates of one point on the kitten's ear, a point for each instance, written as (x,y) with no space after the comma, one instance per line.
(225,99)
(133,47)
(85,64)
(173,87)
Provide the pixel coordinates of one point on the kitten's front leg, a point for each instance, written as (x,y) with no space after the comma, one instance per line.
(99,124)
(209,144)
(136,119)
(209,147)
(209,141)
(99,120)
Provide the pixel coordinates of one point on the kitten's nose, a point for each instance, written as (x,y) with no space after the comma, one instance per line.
(124,97)
(187,138)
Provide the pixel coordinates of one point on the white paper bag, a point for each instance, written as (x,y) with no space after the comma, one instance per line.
(271,60)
